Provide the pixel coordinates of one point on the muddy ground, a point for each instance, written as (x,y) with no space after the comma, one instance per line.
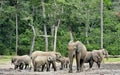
(106,69)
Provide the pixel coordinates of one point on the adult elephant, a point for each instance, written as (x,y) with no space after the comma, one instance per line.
(55,55)
(79,50)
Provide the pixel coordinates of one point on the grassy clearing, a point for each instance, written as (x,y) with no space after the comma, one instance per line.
(5,59)
(112,60)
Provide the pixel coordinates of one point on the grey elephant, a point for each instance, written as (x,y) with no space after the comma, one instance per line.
(102,53)
(79,50)
(55,55)
(92,57)
(64,62)
(41,62)
(21,62)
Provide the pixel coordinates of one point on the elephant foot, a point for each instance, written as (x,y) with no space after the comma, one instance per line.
(70,71)
(47,70)
(55,70)
(77,71)
(61,68)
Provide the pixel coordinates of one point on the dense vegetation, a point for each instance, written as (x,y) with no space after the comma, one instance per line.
(79,16)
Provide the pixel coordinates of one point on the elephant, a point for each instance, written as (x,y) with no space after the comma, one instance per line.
(102,53)
(64,62)
(92,57)
(42,61)
(67,62)
(79,50)
(21,61)
(55,55)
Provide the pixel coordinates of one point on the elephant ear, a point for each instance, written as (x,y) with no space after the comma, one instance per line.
(77,48)
(49,58)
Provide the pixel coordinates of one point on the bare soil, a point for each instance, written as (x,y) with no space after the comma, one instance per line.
(106,69)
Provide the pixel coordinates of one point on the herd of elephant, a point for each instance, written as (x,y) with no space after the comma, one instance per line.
(40,60)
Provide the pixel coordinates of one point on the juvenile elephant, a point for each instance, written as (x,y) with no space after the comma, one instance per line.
(102,53)
(21,61)
(64,62)
(55,55)
(42,61)
(79,50)
(92,57)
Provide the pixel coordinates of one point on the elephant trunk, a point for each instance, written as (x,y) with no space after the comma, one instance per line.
(106,56)
(71,56)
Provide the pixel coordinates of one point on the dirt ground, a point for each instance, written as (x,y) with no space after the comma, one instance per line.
(106,69)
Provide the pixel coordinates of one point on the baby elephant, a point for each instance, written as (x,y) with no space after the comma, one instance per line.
(21,61)
(92,57)
(42,61)
(64,62)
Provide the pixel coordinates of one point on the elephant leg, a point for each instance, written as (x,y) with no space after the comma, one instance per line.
(35,67)
(50,64)
(66,65)
(78,55)
(48,67)
(62,65)
(91,63)
(21,66)
(43,66)
(26,66)
(54,66)
(70,65)
(16,66)
(98,64)
(81,64)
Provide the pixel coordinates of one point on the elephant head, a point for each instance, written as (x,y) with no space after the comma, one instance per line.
(51,59)
(58,55)
(105,53)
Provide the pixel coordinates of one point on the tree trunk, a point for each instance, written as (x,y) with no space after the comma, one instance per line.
(87,27)
(16,33)
(71,36)
(44,16)
(43,7)
(52,33)
(55,39)
(101,13)
(34,36)
(46,38)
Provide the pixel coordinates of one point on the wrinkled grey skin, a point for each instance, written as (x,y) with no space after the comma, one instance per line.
(21,61)
(55,55)
(41,62)
(79,50)
(64,62)
(91,58)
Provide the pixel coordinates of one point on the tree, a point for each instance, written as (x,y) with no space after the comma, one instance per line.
(101,13)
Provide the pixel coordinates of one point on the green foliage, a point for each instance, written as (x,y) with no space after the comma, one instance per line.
(76,15)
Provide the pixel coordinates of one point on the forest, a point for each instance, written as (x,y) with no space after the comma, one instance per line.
(33,24)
